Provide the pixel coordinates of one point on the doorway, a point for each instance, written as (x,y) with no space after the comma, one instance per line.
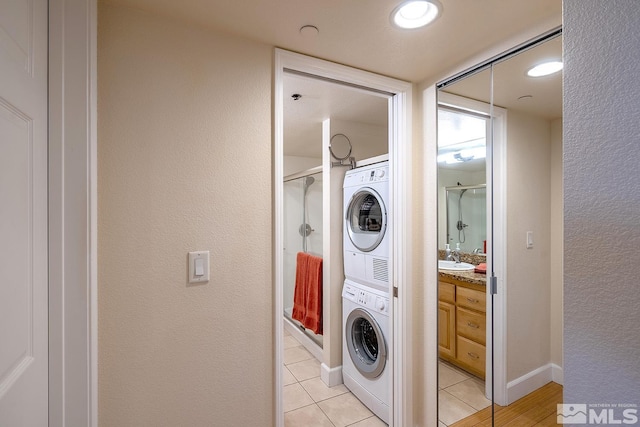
(397,97)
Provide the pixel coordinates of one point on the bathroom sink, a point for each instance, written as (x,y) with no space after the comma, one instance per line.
(452,265)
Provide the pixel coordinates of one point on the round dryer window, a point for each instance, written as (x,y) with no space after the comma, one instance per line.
(366,219)
(365,343)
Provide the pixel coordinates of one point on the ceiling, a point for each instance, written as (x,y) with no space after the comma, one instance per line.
(320,100)
(358,33)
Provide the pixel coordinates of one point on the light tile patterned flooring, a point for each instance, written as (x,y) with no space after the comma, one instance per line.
(460,394)
(308,402)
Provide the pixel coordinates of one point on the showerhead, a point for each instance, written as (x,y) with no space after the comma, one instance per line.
(308,180)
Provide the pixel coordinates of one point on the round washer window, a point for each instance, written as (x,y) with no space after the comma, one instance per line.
(366,219)
(365,343)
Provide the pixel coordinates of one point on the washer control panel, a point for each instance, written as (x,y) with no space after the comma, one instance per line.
(369,298)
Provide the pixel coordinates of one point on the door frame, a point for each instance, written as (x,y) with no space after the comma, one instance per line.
(73,302)
(400,169)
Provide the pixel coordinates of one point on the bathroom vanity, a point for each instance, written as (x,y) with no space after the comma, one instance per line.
(462,320)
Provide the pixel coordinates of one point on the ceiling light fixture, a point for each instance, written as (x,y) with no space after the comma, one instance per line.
(545,69)
(415,13)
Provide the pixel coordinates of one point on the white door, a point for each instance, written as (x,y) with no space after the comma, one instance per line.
(23,213)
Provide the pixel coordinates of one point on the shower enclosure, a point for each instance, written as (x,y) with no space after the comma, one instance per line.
(302,233)
(467,217)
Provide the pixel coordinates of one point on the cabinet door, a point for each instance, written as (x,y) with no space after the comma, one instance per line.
(447,329)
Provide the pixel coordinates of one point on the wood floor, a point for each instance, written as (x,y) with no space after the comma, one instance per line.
(535,409)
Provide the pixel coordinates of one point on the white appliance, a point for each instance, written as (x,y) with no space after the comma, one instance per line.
(365,315)
(366,229)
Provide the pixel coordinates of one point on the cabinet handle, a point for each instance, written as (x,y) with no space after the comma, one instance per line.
(473,325)
(473,355)
(472,300)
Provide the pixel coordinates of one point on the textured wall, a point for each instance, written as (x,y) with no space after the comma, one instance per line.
(602,201)
(184,146)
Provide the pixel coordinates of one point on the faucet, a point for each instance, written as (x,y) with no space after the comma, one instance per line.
(455,255)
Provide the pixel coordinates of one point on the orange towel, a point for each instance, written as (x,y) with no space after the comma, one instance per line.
(481,268)
(307,296)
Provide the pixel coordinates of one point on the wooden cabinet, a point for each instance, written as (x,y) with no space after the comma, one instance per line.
(447,319)
(462,322)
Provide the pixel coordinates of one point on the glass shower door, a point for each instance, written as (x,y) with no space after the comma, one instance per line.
(302,233)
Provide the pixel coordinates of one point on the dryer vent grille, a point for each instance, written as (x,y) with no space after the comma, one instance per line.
(381,269)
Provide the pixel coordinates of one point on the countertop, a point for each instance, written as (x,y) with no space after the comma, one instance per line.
(466,276)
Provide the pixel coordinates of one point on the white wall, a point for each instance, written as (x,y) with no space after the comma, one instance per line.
(184,146)
(528,270)
(556,251)
(602,201)
(294,164)
(367,140)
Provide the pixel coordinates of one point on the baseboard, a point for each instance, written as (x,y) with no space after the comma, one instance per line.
(331,376)
(557,374)
(529,382)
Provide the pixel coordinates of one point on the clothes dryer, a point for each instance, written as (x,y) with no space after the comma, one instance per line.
(366,228)
(365,370)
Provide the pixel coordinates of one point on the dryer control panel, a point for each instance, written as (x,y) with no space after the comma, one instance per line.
(372,173)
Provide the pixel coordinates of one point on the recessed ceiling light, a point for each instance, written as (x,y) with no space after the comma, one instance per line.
(415,13)
(545,69)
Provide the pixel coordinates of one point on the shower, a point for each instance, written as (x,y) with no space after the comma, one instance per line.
(302,201)
(460,225)
(305,229)
(466,213)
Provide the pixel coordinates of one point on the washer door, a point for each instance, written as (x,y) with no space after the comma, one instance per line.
(366,219)
(365,343)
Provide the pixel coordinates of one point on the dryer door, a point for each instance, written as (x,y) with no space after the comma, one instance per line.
(366,219)
(365,343)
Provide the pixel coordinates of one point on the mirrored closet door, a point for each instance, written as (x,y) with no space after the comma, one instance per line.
(500,229)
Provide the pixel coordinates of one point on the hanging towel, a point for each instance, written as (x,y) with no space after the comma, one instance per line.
(307,296)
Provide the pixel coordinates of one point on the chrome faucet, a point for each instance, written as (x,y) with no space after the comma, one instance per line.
(455,255)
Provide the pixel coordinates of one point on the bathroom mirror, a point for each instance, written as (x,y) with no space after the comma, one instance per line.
(523,234)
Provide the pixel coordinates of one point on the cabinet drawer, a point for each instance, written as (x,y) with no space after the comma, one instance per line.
(471,354)
(471,324)
(470,298)
(446,292)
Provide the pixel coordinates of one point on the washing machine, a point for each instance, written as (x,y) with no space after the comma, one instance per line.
(365,370)
(366,229)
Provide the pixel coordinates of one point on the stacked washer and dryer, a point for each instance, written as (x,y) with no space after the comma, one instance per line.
(365,295)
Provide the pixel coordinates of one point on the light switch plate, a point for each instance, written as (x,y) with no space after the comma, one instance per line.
(202,259)
(529,239)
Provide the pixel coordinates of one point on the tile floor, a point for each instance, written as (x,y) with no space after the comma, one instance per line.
(459,394)
(308,402)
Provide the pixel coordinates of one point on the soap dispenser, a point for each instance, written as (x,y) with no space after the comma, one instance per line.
(458,247)
(447,252)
